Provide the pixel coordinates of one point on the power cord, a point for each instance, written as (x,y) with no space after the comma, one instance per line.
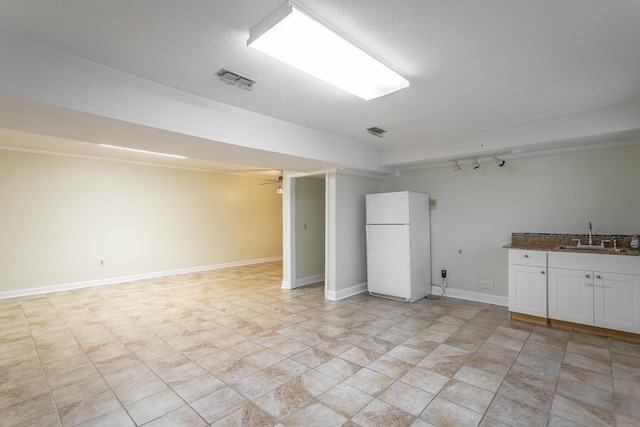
(443,287)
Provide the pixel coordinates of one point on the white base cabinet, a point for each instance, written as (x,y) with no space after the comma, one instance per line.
(528,282)
(595,290)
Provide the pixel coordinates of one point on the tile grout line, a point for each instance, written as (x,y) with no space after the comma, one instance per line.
(179,314)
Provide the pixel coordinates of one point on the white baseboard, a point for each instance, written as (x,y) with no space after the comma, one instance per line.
(309,280)
(303,281)
(114,280)
(471,296)
(346,293)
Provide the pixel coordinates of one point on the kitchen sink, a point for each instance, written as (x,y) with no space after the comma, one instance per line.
(593,248)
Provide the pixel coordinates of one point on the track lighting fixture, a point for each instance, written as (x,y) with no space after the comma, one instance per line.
(475,164)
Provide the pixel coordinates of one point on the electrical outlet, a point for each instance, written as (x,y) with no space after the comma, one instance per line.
(443,274)
(486,284)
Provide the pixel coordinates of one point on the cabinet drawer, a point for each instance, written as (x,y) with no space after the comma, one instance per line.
(624,264)
(525,257)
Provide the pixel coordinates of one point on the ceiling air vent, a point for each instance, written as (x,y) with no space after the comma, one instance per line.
(376,131)
(235,79)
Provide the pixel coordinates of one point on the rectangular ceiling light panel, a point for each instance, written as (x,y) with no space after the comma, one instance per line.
(155,153)
(292,36)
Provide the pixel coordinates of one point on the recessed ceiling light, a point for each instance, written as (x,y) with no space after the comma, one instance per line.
(143,151)
(294,37)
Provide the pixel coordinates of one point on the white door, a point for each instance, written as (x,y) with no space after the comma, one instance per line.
(528,290)
(617,301)
(388,260)
(571,295)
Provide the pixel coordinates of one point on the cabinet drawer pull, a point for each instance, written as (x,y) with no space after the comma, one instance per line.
(526,255)
(542,272)
(598,277)
(587,276)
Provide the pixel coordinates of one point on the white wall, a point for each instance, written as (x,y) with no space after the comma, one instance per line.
(310,229)
(60,216)
(350,242)
(477,210)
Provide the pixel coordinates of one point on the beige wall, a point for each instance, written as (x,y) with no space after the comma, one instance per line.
(59,216)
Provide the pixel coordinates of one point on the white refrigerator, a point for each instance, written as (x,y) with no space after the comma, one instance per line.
(398,245)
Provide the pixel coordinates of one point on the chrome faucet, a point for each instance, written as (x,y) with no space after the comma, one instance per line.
(590,234)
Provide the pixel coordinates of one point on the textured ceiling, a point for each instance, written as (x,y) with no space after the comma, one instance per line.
(472,65)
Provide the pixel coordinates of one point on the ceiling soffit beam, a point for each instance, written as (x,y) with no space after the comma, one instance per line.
(622,119)
(35,72)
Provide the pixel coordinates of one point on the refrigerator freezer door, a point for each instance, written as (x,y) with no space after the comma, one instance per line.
(388,261)
(388,208)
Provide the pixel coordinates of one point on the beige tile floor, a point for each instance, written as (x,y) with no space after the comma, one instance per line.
(230,348)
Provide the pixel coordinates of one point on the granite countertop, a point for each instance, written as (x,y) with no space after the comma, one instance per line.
(548,242)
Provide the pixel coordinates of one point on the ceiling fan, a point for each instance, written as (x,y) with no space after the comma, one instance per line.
(275,181)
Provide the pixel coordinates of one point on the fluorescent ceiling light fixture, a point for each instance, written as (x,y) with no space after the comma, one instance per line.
(143,151)
(294,37)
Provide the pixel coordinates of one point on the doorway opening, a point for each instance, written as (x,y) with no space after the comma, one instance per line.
(305,229)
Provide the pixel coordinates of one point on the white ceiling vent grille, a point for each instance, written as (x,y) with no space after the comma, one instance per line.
(235,79)
(376,131)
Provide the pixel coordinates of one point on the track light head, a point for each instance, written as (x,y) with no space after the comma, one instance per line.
(475,163)
(456,166)
(500,162)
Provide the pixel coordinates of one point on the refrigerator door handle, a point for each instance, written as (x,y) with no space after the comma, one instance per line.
(367,234)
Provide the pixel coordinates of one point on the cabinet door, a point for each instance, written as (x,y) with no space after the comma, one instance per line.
(571,295)
(528,290)
(617,301)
